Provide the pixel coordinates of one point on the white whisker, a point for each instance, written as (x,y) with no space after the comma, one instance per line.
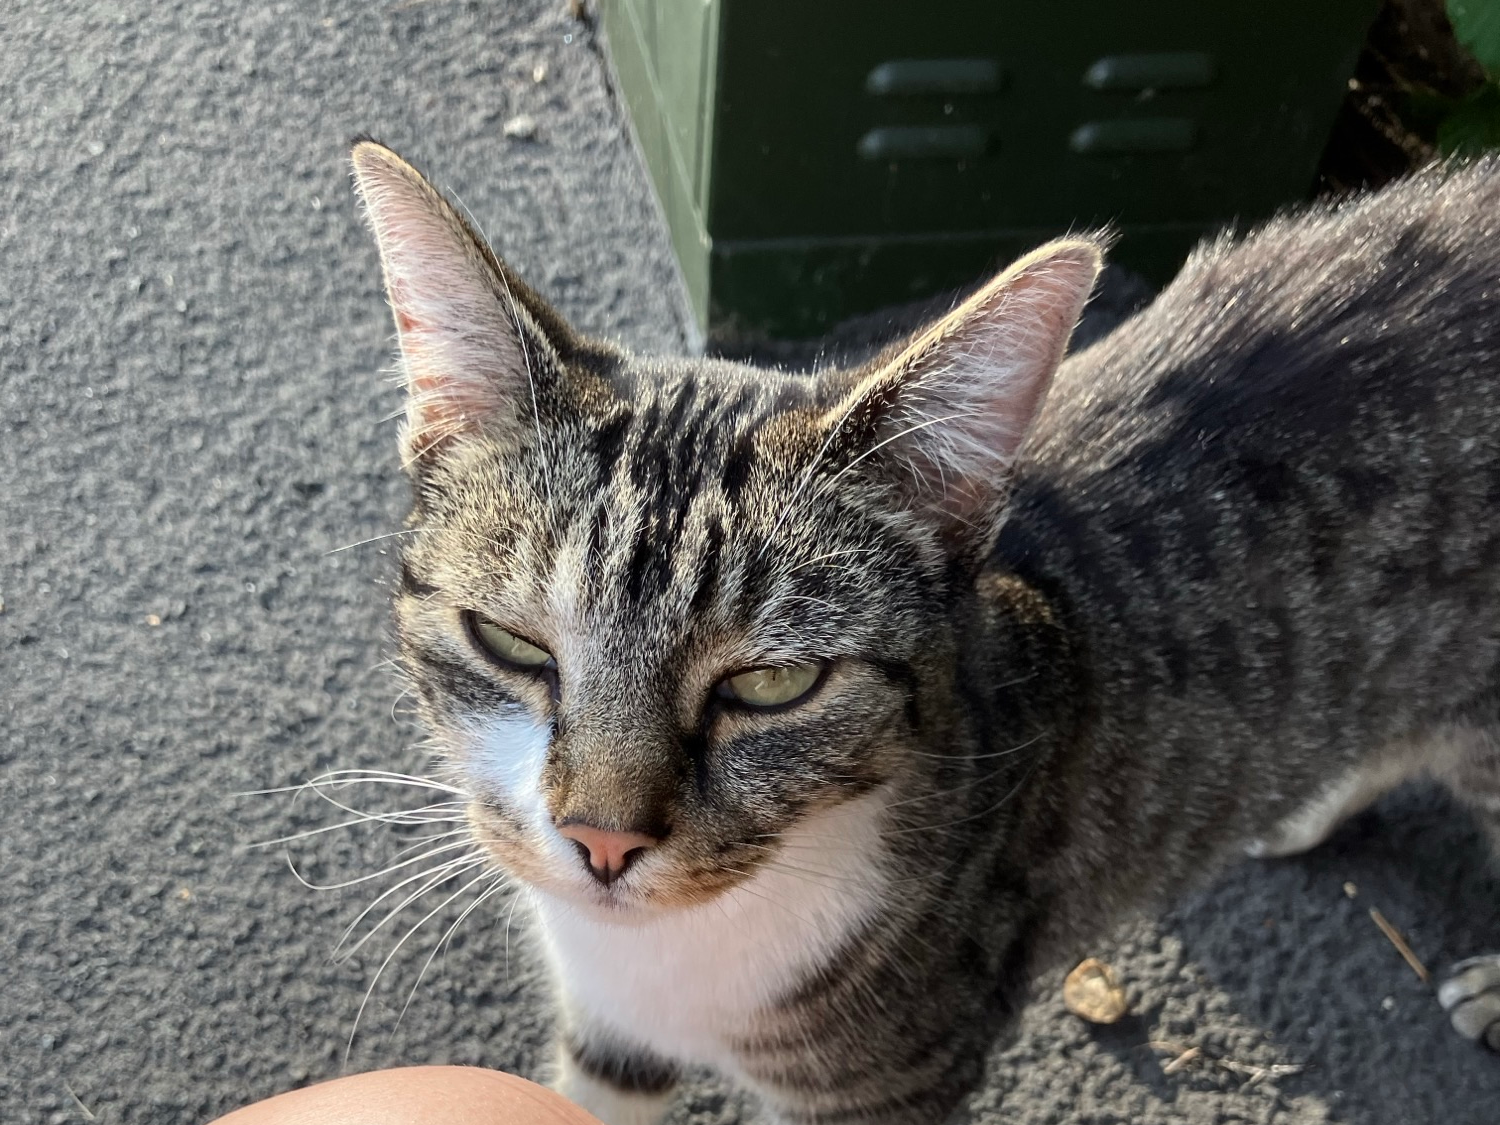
(354,1030)
(373,539)
(430,854)
(358,818)
(435,877)
(497,884)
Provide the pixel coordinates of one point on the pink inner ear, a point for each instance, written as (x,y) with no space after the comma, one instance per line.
(400,295)
(957,403)
(464,362)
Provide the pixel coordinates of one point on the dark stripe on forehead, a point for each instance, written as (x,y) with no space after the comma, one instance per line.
(666,465)
(644,444)
(649,571)
(656,434)
(709,566)
(694,448)
(609,444)
(739,463)
(686,393)
(692,438)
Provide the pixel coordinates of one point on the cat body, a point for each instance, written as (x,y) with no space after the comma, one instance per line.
(818,714)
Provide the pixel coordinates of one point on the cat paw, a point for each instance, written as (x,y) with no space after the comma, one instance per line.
(1471,997)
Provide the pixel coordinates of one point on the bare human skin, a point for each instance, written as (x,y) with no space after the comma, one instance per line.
(418,1095)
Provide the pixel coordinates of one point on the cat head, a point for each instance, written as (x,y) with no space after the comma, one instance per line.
(660,612)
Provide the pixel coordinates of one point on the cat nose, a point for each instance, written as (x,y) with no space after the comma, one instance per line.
(608,853)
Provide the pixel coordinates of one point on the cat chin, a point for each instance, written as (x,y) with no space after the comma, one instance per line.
(604,909)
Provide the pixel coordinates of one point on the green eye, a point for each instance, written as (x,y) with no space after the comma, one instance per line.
(506,647)
(772,687)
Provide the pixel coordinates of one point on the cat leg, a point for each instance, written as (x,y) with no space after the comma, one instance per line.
(619,1085)
(1310,825)
(1471,993)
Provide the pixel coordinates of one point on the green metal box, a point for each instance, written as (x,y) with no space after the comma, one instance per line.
(820,158)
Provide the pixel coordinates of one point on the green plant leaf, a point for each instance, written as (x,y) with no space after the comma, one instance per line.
(1476,23)
(1474,125)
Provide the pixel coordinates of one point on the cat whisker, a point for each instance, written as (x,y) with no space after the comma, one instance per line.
(509,918)
(803,835)
(422,841)
(376,775)
(372,539)
(384,871)
(536,410)
(970,783)
(1017,681)
(803,482)
(939,794)
(922,425)
(837,611)
(830,555)
(344,777)
(977,757)
(435,877)
(403,694)
(497,884)
(353,777)
(432,744)
(825,880)
(744,888)
(828,880)
(981,814)
(395,949)
(358,819)
(442,810)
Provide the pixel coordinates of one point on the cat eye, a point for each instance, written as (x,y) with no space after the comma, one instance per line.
(506,647)
(772,687)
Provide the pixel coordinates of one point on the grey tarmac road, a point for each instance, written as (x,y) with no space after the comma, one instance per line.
(195,418)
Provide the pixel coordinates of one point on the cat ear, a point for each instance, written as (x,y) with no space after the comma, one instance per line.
(945,414)
(471,346)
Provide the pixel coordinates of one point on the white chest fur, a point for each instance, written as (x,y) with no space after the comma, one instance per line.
(684,984)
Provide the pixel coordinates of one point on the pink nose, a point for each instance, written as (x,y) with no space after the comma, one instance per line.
(609,853)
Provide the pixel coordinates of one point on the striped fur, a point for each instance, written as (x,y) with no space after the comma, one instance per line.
(1154,631)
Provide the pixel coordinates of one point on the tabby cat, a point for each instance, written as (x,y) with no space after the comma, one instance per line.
(818,713)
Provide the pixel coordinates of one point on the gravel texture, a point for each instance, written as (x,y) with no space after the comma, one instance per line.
(195,423)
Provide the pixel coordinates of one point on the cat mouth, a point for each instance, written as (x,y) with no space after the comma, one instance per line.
(657,884)
(663,886)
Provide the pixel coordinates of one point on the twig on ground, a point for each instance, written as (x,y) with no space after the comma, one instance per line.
(1182,1060)
(1255,1074)
(1183,1056)
(1393,935)
(88,1114)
